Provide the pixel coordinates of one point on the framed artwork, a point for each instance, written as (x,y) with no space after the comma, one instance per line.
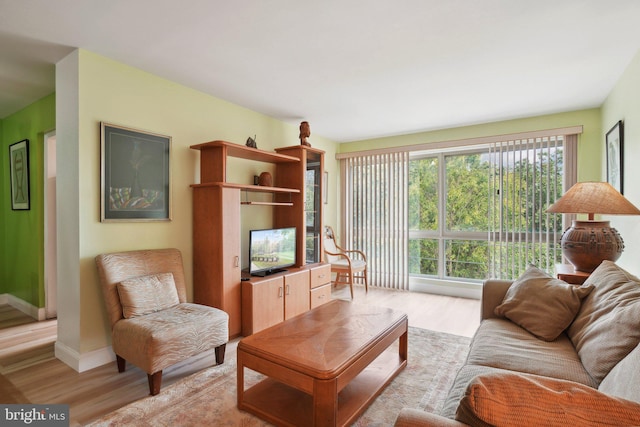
(615,156)
(135,175)
(19,171)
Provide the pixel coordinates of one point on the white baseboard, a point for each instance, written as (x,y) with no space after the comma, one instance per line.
(86,361)
(28,309)
(446,287)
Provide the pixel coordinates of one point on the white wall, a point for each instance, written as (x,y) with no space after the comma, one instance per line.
(624,104)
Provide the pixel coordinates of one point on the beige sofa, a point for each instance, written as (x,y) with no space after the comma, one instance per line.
(518,373)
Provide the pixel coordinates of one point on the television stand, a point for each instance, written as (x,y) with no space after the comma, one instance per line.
(266,273)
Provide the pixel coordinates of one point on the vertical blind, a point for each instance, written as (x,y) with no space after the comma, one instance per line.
(374,198)
(526,177)
(375,214)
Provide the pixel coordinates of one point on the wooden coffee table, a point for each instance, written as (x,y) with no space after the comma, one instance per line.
(323,367)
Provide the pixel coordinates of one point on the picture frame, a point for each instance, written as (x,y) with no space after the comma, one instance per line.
(135,172)
(614,145)
(19,172)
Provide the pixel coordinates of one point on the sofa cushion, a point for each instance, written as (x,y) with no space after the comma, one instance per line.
(147,294)
(607,326)
(502,344)
(541,304)
(464,376)
(504,398)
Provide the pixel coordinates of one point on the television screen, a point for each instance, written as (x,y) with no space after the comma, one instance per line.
(271,250)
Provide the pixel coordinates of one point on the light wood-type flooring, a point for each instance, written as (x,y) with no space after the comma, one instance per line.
(30,373)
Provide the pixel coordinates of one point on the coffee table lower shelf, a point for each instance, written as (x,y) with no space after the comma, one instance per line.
(284,405)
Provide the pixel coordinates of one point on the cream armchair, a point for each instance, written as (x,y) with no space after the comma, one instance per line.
(152,324)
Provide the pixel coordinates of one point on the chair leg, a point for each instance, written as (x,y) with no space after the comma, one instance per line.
(220,353)
(366,285)
(155,381)
(351,284)
(122,364)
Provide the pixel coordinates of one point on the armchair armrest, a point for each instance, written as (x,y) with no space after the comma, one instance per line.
(493,292)
(415,418)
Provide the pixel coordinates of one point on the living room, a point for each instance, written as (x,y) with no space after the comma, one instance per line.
(92,88)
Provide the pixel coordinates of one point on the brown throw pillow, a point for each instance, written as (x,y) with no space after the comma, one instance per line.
(607,326)
(541,304)
(147,294)
(513,399)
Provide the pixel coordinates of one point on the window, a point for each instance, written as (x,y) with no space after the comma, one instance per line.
(472,209)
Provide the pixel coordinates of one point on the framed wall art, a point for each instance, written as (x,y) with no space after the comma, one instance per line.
(615,156)
(135,175)
(19,171)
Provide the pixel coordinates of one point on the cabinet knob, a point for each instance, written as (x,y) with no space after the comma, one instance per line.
(279,291)
(236,261)
(288,290)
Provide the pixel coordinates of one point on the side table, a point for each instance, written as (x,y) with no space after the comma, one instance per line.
(569,274)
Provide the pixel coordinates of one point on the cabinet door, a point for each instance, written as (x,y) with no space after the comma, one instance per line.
(296,287)
(263,304)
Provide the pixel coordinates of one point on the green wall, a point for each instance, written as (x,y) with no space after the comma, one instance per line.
(22,232)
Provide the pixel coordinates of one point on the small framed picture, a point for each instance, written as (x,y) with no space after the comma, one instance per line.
(135,175)
(19,171)
(615,156)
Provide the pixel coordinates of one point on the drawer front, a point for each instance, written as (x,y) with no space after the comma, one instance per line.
(320,295)
(320,275)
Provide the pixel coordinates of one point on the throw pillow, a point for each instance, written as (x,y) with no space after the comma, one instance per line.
(509,398)
(541,304)
(607,326)
(147,294)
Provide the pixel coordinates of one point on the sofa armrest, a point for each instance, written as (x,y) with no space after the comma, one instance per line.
(493,292)
(415,418)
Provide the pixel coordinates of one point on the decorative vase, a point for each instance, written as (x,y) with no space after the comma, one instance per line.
(265,179)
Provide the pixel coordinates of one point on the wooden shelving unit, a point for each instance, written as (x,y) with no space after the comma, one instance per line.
(216,218)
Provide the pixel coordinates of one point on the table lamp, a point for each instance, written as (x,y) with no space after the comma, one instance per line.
(587,243)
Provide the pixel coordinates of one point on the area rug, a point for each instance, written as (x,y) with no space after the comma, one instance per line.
(209,396)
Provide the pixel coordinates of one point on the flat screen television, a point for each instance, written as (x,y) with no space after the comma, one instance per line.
(271,250)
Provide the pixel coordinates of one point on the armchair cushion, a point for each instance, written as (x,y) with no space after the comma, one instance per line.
(507,398)
(147,294)
(541,304)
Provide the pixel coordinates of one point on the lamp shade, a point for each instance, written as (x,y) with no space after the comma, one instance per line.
(587,243)
(593,198)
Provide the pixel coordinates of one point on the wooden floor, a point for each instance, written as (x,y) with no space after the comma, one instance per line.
(30,373)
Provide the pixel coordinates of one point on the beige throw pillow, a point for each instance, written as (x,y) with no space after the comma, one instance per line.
(514,399)
(147,294)
(541,304)
(607,327)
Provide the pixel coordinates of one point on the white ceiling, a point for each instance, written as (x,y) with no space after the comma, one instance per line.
(354,69)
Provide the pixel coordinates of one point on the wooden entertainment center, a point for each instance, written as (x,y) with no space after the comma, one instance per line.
(217,252)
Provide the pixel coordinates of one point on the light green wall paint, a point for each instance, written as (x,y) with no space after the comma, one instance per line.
(22,232)
(589,164)
(112,92)
(623,103)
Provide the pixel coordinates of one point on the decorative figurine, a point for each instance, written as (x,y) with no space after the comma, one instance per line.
(305,132)
(251,142)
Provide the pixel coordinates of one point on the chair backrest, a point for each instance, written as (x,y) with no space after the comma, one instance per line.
(330,245)
(116,267)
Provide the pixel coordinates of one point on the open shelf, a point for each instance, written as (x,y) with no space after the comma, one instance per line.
(244,152)
(247,187)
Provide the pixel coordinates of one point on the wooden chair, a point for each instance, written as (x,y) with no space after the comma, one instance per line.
(347,264)
(152,325)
